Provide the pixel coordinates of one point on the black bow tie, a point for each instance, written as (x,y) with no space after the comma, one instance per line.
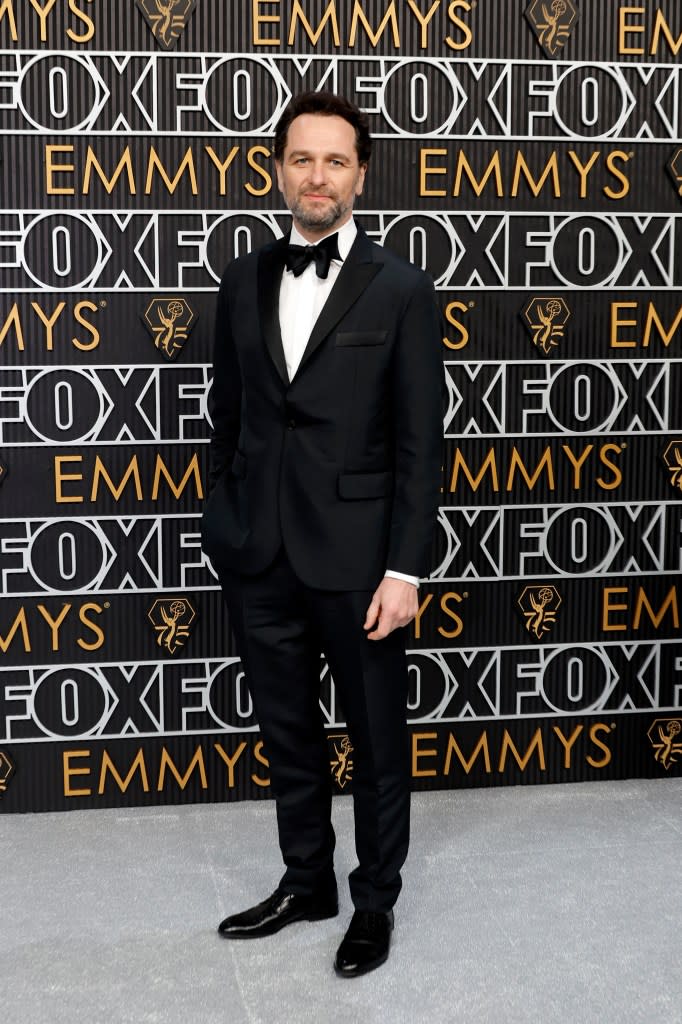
(299,256)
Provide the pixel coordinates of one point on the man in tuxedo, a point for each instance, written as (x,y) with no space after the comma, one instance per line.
(325,471)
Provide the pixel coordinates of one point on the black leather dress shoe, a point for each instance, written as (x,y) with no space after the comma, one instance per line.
(366,943)
(277,911)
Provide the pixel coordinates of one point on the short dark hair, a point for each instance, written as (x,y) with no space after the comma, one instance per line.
(329,104)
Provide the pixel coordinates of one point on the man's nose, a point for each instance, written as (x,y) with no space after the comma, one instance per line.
(318,172)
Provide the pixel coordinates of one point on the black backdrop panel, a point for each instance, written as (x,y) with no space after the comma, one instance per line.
(527,155)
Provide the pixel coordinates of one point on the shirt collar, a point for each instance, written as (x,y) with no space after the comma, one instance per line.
(347,235)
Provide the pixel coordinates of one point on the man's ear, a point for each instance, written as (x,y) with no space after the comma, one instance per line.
(361,180)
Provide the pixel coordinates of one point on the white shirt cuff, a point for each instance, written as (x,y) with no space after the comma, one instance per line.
(414,580)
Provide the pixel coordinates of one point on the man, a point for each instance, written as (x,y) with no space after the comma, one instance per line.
(325,466)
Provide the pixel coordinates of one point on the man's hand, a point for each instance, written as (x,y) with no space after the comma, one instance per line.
(395,603)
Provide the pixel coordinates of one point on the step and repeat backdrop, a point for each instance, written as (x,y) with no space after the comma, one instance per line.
(528,156)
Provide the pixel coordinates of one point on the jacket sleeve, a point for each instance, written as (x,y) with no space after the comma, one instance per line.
(225,399)
(418,431)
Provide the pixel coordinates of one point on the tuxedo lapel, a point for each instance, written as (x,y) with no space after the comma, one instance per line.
(356,273)
(270,268)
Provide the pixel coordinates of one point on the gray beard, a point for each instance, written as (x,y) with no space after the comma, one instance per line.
(315,221)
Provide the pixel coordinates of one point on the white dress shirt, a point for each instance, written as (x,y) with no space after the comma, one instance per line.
(300,302)
(301,298)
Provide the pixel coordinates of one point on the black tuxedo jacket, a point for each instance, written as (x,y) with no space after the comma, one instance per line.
(342,465)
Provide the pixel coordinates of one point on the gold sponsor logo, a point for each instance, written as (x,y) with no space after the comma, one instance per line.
(167,18)
(546,318)
(172,618)
(539,606)
(3,471)
(6,771)
(672,458)
(552,22)
(663,736)
(675,170)
(342,762)
(169,322)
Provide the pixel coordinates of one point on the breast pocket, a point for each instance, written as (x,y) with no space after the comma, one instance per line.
(358,338)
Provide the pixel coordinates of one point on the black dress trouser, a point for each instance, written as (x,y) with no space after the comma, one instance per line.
(282,627)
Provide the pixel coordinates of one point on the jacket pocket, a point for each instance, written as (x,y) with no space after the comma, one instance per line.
(238,467)
(355,486)
(361,337)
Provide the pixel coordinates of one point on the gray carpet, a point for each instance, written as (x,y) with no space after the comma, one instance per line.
(532,904)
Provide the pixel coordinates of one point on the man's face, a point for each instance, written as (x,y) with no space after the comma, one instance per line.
(319,175)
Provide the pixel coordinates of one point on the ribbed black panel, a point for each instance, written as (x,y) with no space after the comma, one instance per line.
(484,28)
(539,184)
(435,176)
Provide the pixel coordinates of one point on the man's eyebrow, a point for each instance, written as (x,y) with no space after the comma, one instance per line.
(328,156)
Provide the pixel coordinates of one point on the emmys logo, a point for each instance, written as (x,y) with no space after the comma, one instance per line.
(672,458)
(662,736)
(169,322)
(552,22)
(342,764)
(166,18)
(171,618)
(6,771)
(539,606)
(675,170)
(546,319)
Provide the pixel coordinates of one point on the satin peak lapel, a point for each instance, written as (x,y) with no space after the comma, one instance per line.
(270,268)
(355,275)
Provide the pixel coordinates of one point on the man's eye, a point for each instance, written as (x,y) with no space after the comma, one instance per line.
(335,163)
